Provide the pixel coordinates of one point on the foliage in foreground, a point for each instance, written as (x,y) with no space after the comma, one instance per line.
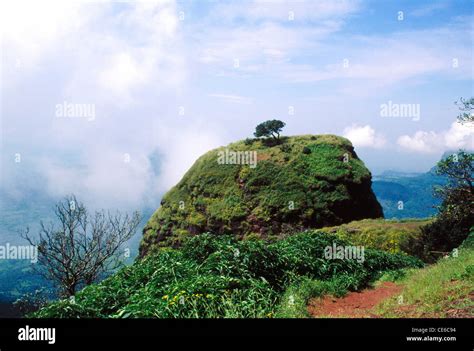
(441,290)
(219,276)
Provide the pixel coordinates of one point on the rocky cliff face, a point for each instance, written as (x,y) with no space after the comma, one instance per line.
(260,188)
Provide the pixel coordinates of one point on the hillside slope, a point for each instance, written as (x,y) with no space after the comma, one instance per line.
(442,290)
(416,191)
(304,182)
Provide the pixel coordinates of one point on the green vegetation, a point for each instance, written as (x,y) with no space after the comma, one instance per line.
(220,276)
(289,190)
(393,236)
(262,262)
(440,290)
(466,106)
(270,128)
(455,217)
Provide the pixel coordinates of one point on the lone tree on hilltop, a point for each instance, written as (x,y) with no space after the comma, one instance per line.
(269,128)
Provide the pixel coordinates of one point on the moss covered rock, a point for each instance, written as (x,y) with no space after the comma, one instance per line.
(302,182)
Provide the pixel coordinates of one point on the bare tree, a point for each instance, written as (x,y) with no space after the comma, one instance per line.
(81,248)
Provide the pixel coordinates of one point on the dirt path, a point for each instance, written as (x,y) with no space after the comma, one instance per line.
(354,304)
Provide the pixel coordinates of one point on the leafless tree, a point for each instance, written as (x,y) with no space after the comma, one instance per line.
(81,248)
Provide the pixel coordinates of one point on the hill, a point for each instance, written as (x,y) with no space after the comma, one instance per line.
(416,191)
(256,188)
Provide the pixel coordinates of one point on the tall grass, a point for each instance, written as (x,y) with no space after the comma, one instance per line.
(431,292)
(221,277)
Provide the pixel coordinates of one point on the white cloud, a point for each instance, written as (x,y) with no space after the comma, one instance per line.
(105,55)
(181,147)
(123,73)
(262,37)
(271,46)
(421,141)
(110,178)
(383,61)
(236,99)
(460,136)
(151,51)
(281,10)
(457,137)
(264,45)
(30,28)
(364,136)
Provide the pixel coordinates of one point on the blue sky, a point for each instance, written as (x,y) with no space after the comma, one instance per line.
(170,80)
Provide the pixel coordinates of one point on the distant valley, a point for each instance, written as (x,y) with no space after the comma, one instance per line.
(407,195)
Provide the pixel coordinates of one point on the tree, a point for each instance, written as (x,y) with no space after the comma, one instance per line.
(466,107)
(454,220)
(80,248)
(459,168)
(269,128)
(458,193)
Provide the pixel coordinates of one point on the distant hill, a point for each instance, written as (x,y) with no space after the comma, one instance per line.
(414,190)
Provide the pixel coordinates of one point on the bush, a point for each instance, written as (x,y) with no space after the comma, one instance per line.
(248,141)
(442,236)
(200,247)
(286,148)
(219,276)
(65,309)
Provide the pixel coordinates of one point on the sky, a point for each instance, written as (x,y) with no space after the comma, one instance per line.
(114,101)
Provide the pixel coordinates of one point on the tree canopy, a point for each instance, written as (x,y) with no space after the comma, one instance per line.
(269,128)
(466,106)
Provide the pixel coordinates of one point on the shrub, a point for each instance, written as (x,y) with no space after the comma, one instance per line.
(442,236)
(219,276)
(286,148)
(248,141)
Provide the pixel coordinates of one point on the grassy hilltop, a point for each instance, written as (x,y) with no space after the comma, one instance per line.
(217,275)
(303,182)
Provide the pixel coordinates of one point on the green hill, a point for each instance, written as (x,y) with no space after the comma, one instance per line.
(266,191)
(416,191)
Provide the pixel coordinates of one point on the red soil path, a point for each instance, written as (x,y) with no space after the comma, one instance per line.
(354,304)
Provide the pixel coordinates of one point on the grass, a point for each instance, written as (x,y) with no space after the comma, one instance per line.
(389,235)
(219,277)
(294,303)
(444,289)
(289,190)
